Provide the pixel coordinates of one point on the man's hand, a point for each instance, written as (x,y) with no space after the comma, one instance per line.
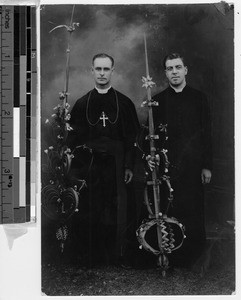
(152,163)
(128,176)
(206,176)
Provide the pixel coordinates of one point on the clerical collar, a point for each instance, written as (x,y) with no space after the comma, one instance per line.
(102,91)
(178,90)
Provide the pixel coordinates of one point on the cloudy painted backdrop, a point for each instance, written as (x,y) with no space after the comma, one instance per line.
(203,33)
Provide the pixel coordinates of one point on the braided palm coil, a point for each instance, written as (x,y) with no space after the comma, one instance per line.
(168,241)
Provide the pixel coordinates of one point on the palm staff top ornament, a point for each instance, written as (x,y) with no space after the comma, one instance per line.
(70,29)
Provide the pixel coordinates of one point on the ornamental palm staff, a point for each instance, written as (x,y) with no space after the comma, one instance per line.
(155,203)
(105,120)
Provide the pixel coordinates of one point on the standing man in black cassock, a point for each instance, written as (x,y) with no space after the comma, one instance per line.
(186,112)
(105,121)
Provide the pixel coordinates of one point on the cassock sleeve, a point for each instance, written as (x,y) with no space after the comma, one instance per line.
(131,128)
(206,135)
(74,135)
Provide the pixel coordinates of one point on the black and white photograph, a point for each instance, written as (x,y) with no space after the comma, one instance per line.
(137,149)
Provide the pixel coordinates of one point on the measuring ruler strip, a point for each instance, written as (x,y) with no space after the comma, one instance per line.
(18,86)
(16,103)
(23,88)
(7,66)
(28,112)
(19,124)
(1,182)
(33,150)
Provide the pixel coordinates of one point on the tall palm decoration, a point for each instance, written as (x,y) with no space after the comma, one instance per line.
(60,195)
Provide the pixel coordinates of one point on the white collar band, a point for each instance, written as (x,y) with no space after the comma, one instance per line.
(102,91)
(178,90)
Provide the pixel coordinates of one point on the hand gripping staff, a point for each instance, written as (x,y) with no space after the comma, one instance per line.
(165,226)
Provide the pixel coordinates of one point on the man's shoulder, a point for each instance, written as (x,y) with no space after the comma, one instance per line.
(82,99)
(189,90)
(160,95)
(194,91)
(163,92)
(123,98)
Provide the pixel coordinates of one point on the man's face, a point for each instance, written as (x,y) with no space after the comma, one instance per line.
(102,71)
(176,72)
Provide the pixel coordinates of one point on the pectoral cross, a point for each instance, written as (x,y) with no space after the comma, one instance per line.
(103,118)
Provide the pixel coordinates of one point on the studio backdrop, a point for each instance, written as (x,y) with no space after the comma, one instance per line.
(202,33)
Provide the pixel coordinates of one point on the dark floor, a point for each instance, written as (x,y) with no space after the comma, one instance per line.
(212,274)
(69,280)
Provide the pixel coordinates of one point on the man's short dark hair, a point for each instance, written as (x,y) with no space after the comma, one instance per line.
(172,56)
(103,55)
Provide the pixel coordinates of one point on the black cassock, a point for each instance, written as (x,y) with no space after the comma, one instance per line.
(107,124)
(189,146)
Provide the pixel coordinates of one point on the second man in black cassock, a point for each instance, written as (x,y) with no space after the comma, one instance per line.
(105,121)
(186,113)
